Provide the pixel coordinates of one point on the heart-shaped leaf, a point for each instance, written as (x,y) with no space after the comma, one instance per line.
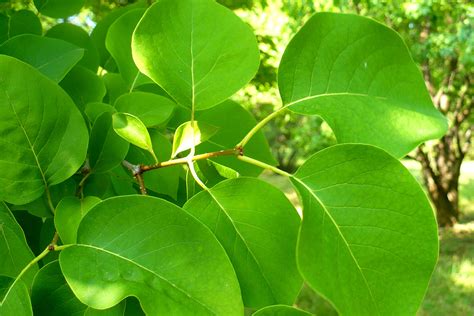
(131,129)
(44,137)
(358,75)
(14,251)
(200,52)
(148,248)
(52,57)
(258,227)
(368,239)
(14,297)
(191,134)
(151,109)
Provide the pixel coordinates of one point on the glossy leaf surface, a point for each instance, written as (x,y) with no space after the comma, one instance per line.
(368,239)
(14,297)
(358,75)
(200,52)
(192,134)
(259,237)
(280,310)
(178,269)
(131,129)
(37,123)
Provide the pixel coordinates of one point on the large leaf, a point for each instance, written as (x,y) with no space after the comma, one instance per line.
(52,296)
(151,109)
(14,297)
(44,137)
(59,8)
(69,214)
(234,122)
(369,238)
(190,134)
(200,52)
(78,36)
(53,57)
(151,249)
(359,77)
(106,149)
(118,43)
(83,86)
(14,251)
(258,227)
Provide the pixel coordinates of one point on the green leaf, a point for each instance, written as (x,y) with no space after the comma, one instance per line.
(95,109)
(358,75)
(258,228)
(200,52)
(131,129)
(52,57)
(118,43)
(188,135)
(368,239)
(14,297)
(280,310)
(148,248)
(51,295)
(24,22)
(4,27)
(58,8)
(163,180)
(115,85)
(83,86)
(234,122)
(151,109)
(69,214)
(14,251)
(78,36)
(107,150)
(44,137)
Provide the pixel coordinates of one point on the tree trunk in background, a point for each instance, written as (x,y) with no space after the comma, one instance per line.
(441,162)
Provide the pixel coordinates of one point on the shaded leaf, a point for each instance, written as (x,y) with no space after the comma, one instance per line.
(59,8)
(14,297)
(52,57)
(24,22)
(95,109)
(258,228)
(83,86)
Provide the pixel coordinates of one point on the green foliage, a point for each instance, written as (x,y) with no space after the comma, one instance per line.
(210,238)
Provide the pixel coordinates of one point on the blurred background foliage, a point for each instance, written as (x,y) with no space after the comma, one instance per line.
(440,36)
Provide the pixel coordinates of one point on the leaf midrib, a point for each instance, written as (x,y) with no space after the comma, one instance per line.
(150,271)
(328,214)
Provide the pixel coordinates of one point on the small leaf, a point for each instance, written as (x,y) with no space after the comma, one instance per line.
(258,228)
(151,109)
(280,310)
(69,214)
(14,297)
(107,150)
(205,52)
(44,136)
(148,248)
(369,239)
(358,75)
(58,9)
(52,57)
(131,129)
(14,251)
(188,135)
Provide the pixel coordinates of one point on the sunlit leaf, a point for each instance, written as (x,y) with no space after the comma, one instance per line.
(192,134)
